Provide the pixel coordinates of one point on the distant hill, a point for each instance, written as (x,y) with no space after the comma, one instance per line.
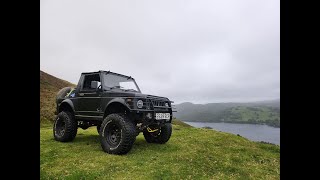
(262,112)
(49,86)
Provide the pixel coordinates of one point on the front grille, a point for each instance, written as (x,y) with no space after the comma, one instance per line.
(157,102)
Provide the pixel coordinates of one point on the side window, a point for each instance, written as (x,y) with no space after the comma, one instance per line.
(87,82)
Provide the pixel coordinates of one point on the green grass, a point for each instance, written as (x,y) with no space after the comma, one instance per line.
(255,115)
(191,153)
(231,113)
(258,113)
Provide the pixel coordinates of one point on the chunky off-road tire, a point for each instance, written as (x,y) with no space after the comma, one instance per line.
(65,127)
(161,136)
(98,128)
(63,92)
(117,134)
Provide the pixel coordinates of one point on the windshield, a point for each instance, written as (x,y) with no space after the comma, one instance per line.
(112,81)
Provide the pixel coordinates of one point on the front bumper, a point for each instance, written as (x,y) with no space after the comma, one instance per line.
(149,116)
(151,106)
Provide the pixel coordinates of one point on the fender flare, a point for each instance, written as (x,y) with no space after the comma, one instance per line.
(69,103)
(117,100)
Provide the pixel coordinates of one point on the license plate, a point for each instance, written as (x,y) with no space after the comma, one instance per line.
(162,115)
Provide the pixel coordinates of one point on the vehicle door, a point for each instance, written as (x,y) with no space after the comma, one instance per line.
(88,97)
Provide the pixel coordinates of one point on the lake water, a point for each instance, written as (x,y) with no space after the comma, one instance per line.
(254,132)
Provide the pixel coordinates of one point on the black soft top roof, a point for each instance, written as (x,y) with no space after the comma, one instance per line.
(108,73)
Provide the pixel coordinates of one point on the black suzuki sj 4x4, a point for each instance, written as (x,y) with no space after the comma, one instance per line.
(115,104)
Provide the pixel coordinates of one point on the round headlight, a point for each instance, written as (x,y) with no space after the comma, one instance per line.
(139,104)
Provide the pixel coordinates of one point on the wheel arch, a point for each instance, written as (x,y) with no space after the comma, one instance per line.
(116,105)
(66,105)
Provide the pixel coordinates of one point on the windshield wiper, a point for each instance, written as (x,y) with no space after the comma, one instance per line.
(131,90)
(115,87)
(118,87)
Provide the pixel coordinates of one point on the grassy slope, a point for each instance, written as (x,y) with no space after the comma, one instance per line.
(256,115)
(191,153)
(49,86)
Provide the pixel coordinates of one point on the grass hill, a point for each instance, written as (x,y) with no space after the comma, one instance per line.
(263,112)
(49,86)
(191,153)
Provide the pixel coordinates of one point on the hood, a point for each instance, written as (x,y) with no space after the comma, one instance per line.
(148,96)
(134,94)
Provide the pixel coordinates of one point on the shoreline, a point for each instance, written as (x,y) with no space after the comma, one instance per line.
(230,122)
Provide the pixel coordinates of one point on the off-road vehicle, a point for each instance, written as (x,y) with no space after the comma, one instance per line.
(114,103)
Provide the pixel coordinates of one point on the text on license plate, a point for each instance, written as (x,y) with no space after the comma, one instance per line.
(162,115)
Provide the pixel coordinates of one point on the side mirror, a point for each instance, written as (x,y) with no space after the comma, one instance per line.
(94,84)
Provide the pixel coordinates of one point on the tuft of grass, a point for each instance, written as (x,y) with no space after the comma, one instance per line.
(180,123)
(191,153)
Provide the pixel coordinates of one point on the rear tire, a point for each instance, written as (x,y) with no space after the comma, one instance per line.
(65,127)
(117,134)
(98,128)
(160,137)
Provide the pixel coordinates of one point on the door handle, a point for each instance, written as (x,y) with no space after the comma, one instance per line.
(81,94)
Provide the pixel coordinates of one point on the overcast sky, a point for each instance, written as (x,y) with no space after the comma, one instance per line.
(196,51)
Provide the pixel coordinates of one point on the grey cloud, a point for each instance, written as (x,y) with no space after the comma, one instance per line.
(198,51)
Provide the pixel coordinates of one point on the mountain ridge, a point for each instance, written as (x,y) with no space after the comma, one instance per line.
(259,112)
(277,100)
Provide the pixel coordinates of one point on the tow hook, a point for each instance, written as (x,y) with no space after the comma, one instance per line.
(150,130)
